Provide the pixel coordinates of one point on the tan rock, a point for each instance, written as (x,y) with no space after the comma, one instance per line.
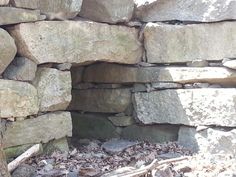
(77,42)
(18,99)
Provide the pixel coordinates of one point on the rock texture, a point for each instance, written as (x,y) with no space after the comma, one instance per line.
(7,48)
(18,99)
(187,106)
(11,15)
(181,43)
(4,2)
(77,42)
(59,9)
(229,63)
(191,10)
(41,129)
(111,11)
(54,89)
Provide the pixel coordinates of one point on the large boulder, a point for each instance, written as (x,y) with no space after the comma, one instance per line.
(59,9)
(11,15)
(54,89)
(7,48)
(77,42)
(110,11)
(167,43)
(182,10)
(187,106)
(114,73)
(18,99)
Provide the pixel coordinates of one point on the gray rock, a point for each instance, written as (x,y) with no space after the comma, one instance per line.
(64,66)
(166,43)
(110,11)
(69,42)
(191,10)
(60,145)
(187,106)
(59,9)
(11,15)
(24,170)
(7,48)
(197,63)
(21,69)
(4,2)
(122,121)
(166,85)
(54,89)
(229,63)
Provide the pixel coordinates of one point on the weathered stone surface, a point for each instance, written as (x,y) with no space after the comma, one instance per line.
(56,145)
(101,100)
(191,10)
(59,9)
(165,85)
(18,99)
(114,73)
(13,152)
(182,43)
(187,106)
(21,69)
(213,141)
(11,15)
(54,89)
(77,42)
(24,170)
(198,63)
(122,121)
(93,126)
(41,129)
(7,48)
(111,11)
(154,133)
(229,63)
(4,2)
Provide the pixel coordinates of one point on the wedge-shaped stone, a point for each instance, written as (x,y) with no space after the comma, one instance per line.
(111,11)
(18,99)
(54,89)
(114,73)
(41,129)
(11,15)
(182,10)
(59,9)
(101,100)
(77,42)
(187,106)
(7,49)
(182,43)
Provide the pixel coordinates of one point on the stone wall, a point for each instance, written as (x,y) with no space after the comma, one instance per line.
(147,70)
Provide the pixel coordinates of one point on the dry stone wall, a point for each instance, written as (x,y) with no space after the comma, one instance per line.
(151,70)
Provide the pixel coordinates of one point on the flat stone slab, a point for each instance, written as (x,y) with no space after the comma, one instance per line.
(77,42)
(193,107)
(41,129)
(182,10)
(11,15)
(166,43)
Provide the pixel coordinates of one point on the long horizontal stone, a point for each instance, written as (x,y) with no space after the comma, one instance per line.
(11,15)
(18,99)
(182,10)
(59,9)
(114,73)
(101,100)
(187,106)
(77,42)
(41,129)
(182,43)
(7,48)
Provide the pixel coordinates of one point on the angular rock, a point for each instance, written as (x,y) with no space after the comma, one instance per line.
(21,69)
(41,129)
(64,66)
(54,89)
(122,121)
(18,99)
(110,11)
(56,145)
(166,43)
(187,106)
(154,133)
(191,10)
(229,63)
(7,48)
(59,9)
(213,141)
(4,2)
(77,42)
(11,15)
(90,126)
(101,100)
(114,73)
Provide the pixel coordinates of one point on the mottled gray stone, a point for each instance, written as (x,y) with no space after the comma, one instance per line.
(122,121)
(197,63)
(24,170)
